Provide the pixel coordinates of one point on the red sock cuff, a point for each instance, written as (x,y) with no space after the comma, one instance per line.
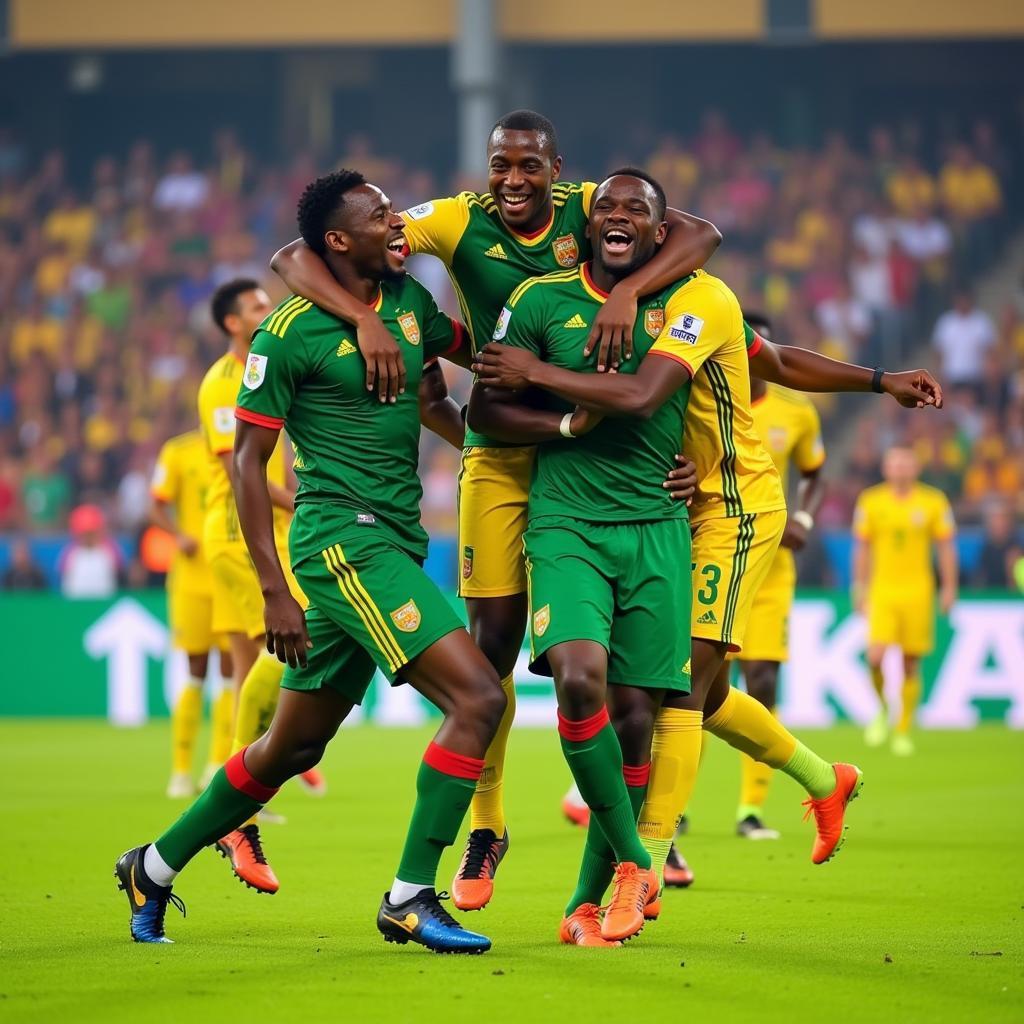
(637,774)
(239,777)
(583,729)
(450,763)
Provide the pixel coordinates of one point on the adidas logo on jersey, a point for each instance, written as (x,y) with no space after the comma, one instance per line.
(708,619)
(575,321)
(346,348)
(496,252)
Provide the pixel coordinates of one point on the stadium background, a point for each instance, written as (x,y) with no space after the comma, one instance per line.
(862,161)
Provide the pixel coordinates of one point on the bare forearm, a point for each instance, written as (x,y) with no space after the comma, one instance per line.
(689,244)
(306,274)
(861,567)
(611,394)
(256,516)
(804,370)
(443,417)
(809,493)
(514,422)
(160,515)
(281,497)
(949,567)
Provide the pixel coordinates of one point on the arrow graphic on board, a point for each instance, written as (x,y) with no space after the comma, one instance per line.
(127,636)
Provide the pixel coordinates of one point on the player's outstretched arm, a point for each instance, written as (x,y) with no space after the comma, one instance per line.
(438,412)
(160,515)
(306,274)
(689,244)
(509,416)
(804,370)
(285,622)
(640,394)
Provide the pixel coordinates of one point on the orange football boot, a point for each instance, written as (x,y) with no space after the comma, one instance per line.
(583,928)
(314,782)
(677,874)
(243,848)
(634,887)
(473,885)
(829,812)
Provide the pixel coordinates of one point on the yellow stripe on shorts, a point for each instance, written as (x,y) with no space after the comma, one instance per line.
(356,595)
(529,604)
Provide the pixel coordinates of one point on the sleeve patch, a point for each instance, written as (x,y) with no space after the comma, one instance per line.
(421,211)
(686,328)
(501,327)
(255,371)
(224,419)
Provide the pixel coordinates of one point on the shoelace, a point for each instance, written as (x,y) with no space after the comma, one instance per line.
(809,804)
(442,915)
(158,917)
(481,850)
(252,834)
(632,885)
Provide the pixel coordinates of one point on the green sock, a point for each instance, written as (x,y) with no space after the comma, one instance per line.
(594,756)
(597,867)
(232,796)
(816,775)
(444,787)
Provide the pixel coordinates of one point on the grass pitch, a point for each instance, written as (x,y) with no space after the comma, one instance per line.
(919,918)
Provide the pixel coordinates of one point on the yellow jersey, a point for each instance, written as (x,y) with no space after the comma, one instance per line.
(180,479)
(218,395)
(899,532)
(704,330)
(789,427)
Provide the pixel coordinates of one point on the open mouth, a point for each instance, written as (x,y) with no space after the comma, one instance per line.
(616,241)
(515,200)
(399,247)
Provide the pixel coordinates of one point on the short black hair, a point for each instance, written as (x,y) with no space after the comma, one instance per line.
(225,299)
(758,320)
(529,121)
(320,201)
(639,172)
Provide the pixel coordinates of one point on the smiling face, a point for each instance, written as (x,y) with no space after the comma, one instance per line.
(369,233)
(521,168)
(626,224)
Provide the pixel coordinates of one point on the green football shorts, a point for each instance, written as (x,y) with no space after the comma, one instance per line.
(370,605)
(626,586)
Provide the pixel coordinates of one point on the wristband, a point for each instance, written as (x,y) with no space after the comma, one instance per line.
(565,427)
(804,519)
(876,380)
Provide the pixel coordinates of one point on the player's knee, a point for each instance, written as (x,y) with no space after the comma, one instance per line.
(762,685)
(305,757)
(482,703)
(581,689)
(635,730)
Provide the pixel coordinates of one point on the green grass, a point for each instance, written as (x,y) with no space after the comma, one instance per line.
(918,919)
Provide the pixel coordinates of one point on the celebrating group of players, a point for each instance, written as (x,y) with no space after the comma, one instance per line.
(602,352)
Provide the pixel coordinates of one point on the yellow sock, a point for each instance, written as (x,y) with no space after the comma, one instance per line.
(488,807)
(223,724)
(878,682)
(755,778)
(747,725)
(675,757)
(911,698)
(257,702)
(185,719)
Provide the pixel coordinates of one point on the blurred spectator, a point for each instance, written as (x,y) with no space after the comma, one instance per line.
(844,319)
(961,338)
(23,573)
(182,188)
(1002,549)
(91,562)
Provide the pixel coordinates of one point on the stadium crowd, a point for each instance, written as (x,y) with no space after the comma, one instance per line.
(868,252)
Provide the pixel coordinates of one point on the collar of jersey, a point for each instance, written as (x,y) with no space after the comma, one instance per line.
(534,237)
(588,284)
(379,301)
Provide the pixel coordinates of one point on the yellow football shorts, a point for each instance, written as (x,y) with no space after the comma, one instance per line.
(902,618)
(767,635)
(237,597)
(191,619)
(731,559)
(494,489)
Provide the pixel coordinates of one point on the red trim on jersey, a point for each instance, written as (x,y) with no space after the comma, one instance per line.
(239,777)
(533,234)
(758,401)
(271,422)
(449,763)
(755,345)
(671,355)
(223,451)
(637,774)
(590,282)
(583,729)
(460,337)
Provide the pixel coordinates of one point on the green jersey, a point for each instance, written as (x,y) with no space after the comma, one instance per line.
(487,261)
(353,455)
(615,473)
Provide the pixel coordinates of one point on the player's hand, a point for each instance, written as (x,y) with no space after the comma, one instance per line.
(502,366)
(681,482)
(913,389)
(794,536)
(584,420)
(385,367)
(612,331)
(286,628)
(859,601)
(187,545)
(947,598)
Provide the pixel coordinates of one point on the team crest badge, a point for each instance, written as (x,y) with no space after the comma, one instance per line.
(654,321)
(407,618)
(467,562)
(567,252)
(255,371)
(541,620)
(410,327)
